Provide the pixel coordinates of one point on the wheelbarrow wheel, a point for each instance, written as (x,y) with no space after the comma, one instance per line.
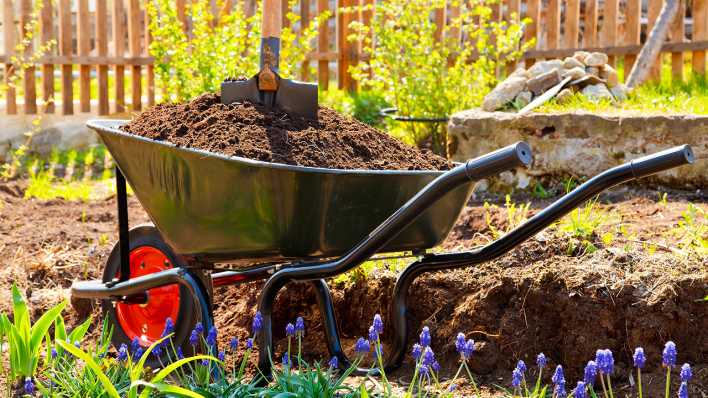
(149,254)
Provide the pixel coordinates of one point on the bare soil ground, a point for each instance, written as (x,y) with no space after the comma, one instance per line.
(548,295)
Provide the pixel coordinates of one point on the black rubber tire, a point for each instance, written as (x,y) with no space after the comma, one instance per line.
(188,315)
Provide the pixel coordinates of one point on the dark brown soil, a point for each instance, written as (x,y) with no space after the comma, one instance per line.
(541,297)
(251,131)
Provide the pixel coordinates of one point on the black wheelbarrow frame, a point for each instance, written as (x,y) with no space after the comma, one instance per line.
(133,290)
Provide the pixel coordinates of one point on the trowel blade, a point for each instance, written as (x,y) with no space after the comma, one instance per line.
(298,98)
(240,90)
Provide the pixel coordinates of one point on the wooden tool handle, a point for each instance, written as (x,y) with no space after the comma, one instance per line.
(272,18)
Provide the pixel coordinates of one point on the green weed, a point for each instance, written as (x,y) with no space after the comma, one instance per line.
(692,230)
(515,215)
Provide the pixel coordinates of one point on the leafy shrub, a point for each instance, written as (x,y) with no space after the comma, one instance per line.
(218,46)
(425,77)
(364,106)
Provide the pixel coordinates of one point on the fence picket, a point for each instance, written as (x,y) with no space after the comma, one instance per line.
(66,49)
(609,26)
(102,50)
(553,20)
(572,23)
(83,35)
(632,31)
(677,36)
(150,69)
(700,32)
(323,46)
(304,21)
(9,38)
(119,50)
(28,80)
(533,11)
(134,49)
(590,31)
(47,34)
(652,14)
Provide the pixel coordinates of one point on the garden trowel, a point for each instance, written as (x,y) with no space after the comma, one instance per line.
(267,87)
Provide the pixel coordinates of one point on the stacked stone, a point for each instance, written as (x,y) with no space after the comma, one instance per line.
(589,73)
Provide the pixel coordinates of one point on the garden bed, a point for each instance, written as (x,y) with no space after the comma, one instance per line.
(547,296)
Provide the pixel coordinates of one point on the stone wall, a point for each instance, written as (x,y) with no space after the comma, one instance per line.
(583,144)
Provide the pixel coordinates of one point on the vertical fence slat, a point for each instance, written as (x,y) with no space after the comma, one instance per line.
(553,19)
(102,50)
(135,50)
(513,17)
(181,13)
(632,31)
(652,14)
(47,28)
(66,49)
(9,38)
(610,13)
(572,23)
(29,83)
(304,22)
(590,30)
(440,16)
(83,35)
(150,69)
(700,32)
(323,46)
(119,50)
(533,11)
(677,36)
(345,47)
(285,7)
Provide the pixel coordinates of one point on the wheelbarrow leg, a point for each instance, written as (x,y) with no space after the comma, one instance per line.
(123,227)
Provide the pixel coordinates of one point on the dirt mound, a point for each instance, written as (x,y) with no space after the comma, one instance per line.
(252,131)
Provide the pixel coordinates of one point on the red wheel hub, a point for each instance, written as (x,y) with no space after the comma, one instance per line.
(147,321)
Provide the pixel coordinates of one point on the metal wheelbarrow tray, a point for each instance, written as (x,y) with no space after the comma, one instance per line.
(214,207)
(309,224)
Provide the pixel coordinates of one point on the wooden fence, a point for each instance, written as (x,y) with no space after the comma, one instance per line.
(101,45)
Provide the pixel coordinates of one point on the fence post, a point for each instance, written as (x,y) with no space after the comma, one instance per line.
(590,32)
(119,49)
(609,26)
(652,14)
(632,32)
(323,46)
(304,21)
(150,69)
(83,35)
(677,36)
(553,16)
(28,80)
(572,20)
(47,69)
(9,36)
(102,50)
(345,47)
(66,49)
(533,11)
(700,32)
(135,51)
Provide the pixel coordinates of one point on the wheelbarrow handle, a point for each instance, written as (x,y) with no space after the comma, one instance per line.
(660,161)
(507,158)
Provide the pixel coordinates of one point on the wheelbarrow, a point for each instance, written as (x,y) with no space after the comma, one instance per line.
(283,223)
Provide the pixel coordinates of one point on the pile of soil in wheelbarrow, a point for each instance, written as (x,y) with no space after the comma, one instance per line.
(254,132)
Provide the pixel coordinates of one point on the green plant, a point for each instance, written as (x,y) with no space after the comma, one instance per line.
(221,45)
(692,230)
(25,341)
(515,215)
(581,225)
(424,74)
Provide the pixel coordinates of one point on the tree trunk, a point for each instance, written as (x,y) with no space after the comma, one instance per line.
(652,47)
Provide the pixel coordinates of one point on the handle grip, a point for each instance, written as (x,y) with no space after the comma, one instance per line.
(660,161)
(272,19)
(507,158)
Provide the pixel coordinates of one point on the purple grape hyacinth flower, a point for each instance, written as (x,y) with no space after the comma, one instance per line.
(373,335)
(541,361)
(139,352)
(686,373)
(257,322)
(334,363)
(590,373)
(169,327)
(428,356)
(199,327)
(123,352)
(424,371)
(362,346)
(222,356)
(605,361)
(290,330)
(435,366)
(378,324)
(460,343)
(233,344)
(469,349)
(580,391)
(560,390)
(211,337)
(516,377)
(558,376)
(639,358)
(29,386)
(683,390)
(249,344)
(452,387)
(425,336)
(286,360)
(417,351)
(668,357)
(521,365)
(180,353)
(134,345)
(300,326)
(194,338)
(54,352)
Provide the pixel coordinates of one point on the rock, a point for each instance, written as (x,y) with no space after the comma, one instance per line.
(523,99)
(597,91)
(542,67)
(619,92)
(570,63)
(596,59)
(520,72)
(581,55)
(504,93)
(586,80)
(609,74)
(564,96)
(574,73)
(592,70)
(539,84)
